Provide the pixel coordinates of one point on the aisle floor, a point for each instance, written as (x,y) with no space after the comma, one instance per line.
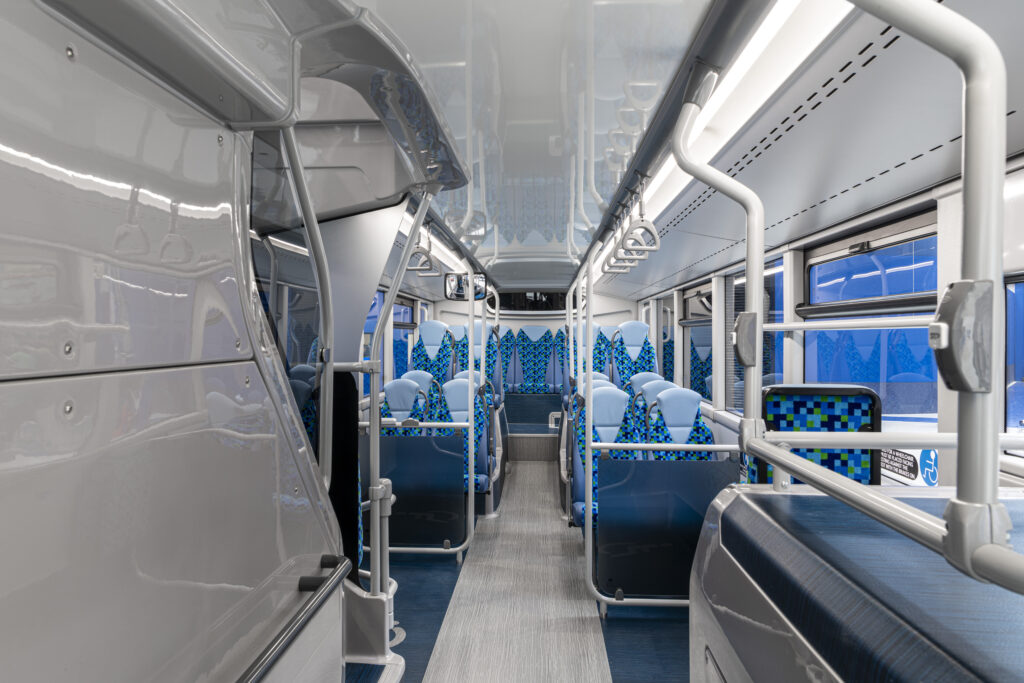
(520,610)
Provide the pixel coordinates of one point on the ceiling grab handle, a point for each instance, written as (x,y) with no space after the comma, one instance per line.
(380,489)
(703,79)
(580,163)
(591,101)
(322,275)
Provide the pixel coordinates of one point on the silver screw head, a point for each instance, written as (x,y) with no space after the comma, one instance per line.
(69,407)
(69,51)
(247,380)
(68,348)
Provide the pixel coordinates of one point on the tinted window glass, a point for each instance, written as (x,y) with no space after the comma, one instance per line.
(905,268)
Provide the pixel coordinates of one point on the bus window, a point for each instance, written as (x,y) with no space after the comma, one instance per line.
(897,364)
(1015,356)
(697,329)
(403,325)
(368,327)
(284,274)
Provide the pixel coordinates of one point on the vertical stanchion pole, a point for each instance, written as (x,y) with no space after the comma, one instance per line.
(322,275)
(588,536)
(471,465)
(379,571)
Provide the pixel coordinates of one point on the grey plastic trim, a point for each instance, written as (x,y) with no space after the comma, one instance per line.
(287,635)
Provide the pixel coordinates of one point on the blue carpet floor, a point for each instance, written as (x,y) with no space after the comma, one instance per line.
(647,644)
(425,586)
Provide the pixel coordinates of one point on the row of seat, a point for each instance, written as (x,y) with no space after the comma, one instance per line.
(533,360)
(651,410)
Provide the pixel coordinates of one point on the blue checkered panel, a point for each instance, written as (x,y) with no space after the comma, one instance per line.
(794,412)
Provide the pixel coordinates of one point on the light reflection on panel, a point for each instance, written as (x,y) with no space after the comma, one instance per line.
(150,507)
(117,249)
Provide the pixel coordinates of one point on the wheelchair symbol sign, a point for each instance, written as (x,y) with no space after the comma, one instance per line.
(930,467)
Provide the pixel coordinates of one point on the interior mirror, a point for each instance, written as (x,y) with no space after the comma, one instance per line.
(457,284)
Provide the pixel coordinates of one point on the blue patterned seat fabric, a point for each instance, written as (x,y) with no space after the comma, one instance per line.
(455,408)
(460,348)
(700,369)
(534,352)
(433,350)
(611,423)
(675,418)
(632,352)
(794,411)
(404,399)
(668,359)
(561,355)
(643,398)
(430,388)
(484,336)
(507,347)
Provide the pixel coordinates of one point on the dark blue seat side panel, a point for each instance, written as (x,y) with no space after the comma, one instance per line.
(427,474)
(873,603)
(652,512)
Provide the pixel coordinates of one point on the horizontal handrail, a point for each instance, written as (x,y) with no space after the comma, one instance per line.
(907,322)
(270,654)
(713,448)
(906,519)
(418,425)
(879,440)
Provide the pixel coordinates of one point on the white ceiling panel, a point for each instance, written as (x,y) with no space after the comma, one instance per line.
(873,117)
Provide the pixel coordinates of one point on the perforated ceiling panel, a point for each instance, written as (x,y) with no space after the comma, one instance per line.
(873,116)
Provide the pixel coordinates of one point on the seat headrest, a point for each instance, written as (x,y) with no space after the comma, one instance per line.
(534,332)
(480,331)
(465,375)
(458,332)
(641,378)
(504,329)
(422,378)
(431,333)
(608,407)
(303,373)
(581,388)
(455,395)
(651,390)
(601,375)
(401,395)
(634,334)
(607,330)
(678,408)
(302,391)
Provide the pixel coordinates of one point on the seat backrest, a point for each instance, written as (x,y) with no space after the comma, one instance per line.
(404,397)
(458,332)
(632,352)
(456,408)
(477,379)
(650,390)
(534,345)
(609,406)
(674,417)
(302,372)
(433,350)
(641,378)
(423,378)
(432,335)
(825,407)
(581,388)
(507,349)
(679,408)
